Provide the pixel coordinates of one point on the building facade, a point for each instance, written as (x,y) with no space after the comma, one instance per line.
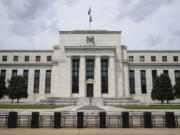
(89,63)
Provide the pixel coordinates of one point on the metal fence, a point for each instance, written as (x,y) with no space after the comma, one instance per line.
(90,121)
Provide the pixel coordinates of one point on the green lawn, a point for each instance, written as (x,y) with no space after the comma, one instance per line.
(171,106)
(28,106)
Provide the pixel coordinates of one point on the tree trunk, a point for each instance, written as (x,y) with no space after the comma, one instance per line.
(17,100)
(12,100)
(167,101)
(162,101)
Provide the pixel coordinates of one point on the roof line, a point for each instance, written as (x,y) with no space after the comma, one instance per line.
(26,50)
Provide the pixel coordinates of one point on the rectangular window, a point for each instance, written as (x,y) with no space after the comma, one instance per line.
(154,75)
(175,58)
(89,69)
(3,73)
(131,58)
(177,74)
(4,58)
(153,58)
(142,58)
(164,58)
(131,81)
(49,58)
(143,81)
(38,58)
(165,72)
(48,81)
(14,72)
(26,74)
(26,58)
(36,81)
(15,58)
(104,76)
(75,75)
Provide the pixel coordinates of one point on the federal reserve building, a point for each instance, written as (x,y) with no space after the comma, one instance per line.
(89,63)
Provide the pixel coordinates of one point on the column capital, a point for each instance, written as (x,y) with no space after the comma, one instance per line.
(82,56)
(97,56)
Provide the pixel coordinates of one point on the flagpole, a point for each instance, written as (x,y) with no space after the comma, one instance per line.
(90,17)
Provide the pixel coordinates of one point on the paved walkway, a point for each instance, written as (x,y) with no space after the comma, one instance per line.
(90,107)
(85,108)
(89,131)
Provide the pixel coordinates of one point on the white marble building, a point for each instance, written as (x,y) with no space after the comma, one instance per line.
(89,63)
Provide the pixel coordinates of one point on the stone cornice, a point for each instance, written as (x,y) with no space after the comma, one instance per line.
(90,47)
(26,51)
(25,64)
(154,64)
(90,32)
(153,51)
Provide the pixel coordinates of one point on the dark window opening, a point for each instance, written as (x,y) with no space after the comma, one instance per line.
(75,75)
(38,58)
(104,76)
(48,81)
(153,58)
(26,58)
(131,58)
(175,58)
(177,74)
(36,81)
(142,58)
(3,74)
(14,73)
(49,58)
(26,74)
(164,58)
(143,81)
(15,58)
(165,72)
(131,81)
(4,58)
(89,69)
(154,75)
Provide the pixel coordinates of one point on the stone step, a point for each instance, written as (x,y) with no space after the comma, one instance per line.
(90,101)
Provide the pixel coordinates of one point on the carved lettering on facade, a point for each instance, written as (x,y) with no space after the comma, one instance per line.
(90,40)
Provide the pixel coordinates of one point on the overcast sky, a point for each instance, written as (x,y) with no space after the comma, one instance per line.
(145,24)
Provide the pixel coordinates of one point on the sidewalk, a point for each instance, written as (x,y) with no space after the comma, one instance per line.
(89,131)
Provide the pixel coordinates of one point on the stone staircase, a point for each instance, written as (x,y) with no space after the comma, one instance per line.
(59,101)
(91,101)
(122,101)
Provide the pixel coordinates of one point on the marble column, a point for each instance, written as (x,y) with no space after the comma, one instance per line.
(137,82)
(111,77)
(149,81)
(42,82)
(172,76)
(68,92)
(126,80)
(31,85)
(82,74)
(97,84)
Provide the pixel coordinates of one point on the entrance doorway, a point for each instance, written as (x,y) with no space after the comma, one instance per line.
(90,92)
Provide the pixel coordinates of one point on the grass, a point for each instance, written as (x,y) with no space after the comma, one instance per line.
(28,106)
(151,107)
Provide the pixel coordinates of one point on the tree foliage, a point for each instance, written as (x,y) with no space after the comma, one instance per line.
(163,89)
(17,88)
(177,88)
(2,86)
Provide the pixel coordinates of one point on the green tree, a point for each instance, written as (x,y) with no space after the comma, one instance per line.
(17,88)
(2,86)
(163,89)
(177,88)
